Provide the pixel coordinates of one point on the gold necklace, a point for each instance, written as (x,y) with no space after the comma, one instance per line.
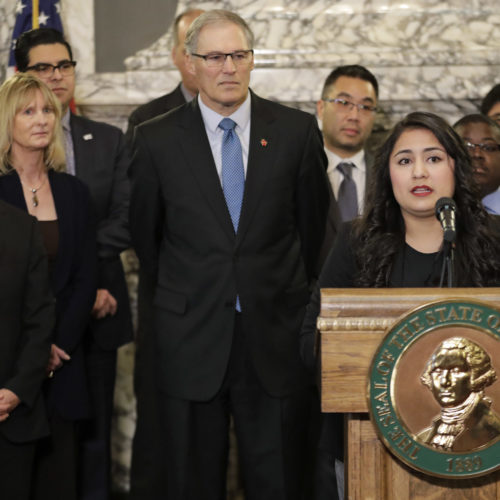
(34,197)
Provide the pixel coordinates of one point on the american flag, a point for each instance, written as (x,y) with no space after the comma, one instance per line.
(32,14)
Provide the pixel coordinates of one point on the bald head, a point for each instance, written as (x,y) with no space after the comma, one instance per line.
(181,25)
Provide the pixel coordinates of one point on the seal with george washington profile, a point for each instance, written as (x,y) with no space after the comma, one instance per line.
(433,393)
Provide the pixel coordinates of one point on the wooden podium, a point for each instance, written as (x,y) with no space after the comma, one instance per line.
(352,324)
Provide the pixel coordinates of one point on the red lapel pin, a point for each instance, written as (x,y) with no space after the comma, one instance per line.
(263,143)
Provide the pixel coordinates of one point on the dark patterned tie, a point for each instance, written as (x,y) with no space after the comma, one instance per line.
(347,197)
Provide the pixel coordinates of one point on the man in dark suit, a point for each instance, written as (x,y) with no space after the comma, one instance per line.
(147,478)
(347,110)
(97,154)
(228,209)
(184,92)
(27,318)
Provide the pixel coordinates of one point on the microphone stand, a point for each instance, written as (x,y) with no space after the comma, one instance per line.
(448,261)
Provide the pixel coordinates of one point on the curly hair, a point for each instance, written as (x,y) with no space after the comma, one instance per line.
(491,98)
(379,234)
(482,372)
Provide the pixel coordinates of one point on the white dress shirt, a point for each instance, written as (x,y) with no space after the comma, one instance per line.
(211,119)
(358,174)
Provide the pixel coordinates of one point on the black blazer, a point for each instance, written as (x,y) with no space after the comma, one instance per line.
(156,107)
(27,317)
(185,240)
(101,162)
(74,285)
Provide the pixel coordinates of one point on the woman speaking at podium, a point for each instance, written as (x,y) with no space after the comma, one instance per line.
(399,241)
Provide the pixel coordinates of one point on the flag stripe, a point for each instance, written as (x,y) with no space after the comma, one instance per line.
(36,11)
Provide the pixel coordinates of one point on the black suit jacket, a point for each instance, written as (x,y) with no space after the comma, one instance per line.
(156,107)
(147,111)
(101,162)
(73,281)
(184,237)
(27,322)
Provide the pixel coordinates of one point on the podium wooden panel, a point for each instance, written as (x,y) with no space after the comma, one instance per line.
(352,324)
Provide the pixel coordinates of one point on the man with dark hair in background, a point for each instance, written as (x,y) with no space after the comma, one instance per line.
(97,154)
(184,92)
(482,139)
(147,478)
(491,104)
(347,110)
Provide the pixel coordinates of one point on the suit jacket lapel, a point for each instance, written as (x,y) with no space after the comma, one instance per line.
(65,249)
(262,150)
(82,138)
(198,153)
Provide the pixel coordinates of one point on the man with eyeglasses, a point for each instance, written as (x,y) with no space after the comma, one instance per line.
(482,139)
(228,209)
(96,153)
(347,110)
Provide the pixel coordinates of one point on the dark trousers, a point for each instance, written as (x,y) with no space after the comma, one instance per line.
(16,469)
(95,442)
(147,472)
(271,436)
(55,475)
(330,448)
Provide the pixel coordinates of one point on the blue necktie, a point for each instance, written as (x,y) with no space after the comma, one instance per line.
(233,175)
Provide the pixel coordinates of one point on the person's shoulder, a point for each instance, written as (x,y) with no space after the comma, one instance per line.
(173,118)
(279,110)
(158,106)
(94,126)
(494,224)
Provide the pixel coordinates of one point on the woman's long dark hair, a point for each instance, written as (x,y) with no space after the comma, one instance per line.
(380,234)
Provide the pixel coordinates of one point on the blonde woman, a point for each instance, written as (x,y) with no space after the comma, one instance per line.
(32,163)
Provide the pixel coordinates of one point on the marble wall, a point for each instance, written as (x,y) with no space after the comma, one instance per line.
(438,56)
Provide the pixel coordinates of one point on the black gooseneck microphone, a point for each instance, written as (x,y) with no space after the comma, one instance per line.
(445,213)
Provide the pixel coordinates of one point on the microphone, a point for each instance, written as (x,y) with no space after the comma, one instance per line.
(445,213)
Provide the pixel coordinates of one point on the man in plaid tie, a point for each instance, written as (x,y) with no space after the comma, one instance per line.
(228,209)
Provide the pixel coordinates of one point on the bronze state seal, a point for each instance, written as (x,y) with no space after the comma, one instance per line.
(433,393)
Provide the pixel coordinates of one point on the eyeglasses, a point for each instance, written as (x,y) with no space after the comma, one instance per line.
(46,70)
(344,105)
(218,59)
(487,147)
